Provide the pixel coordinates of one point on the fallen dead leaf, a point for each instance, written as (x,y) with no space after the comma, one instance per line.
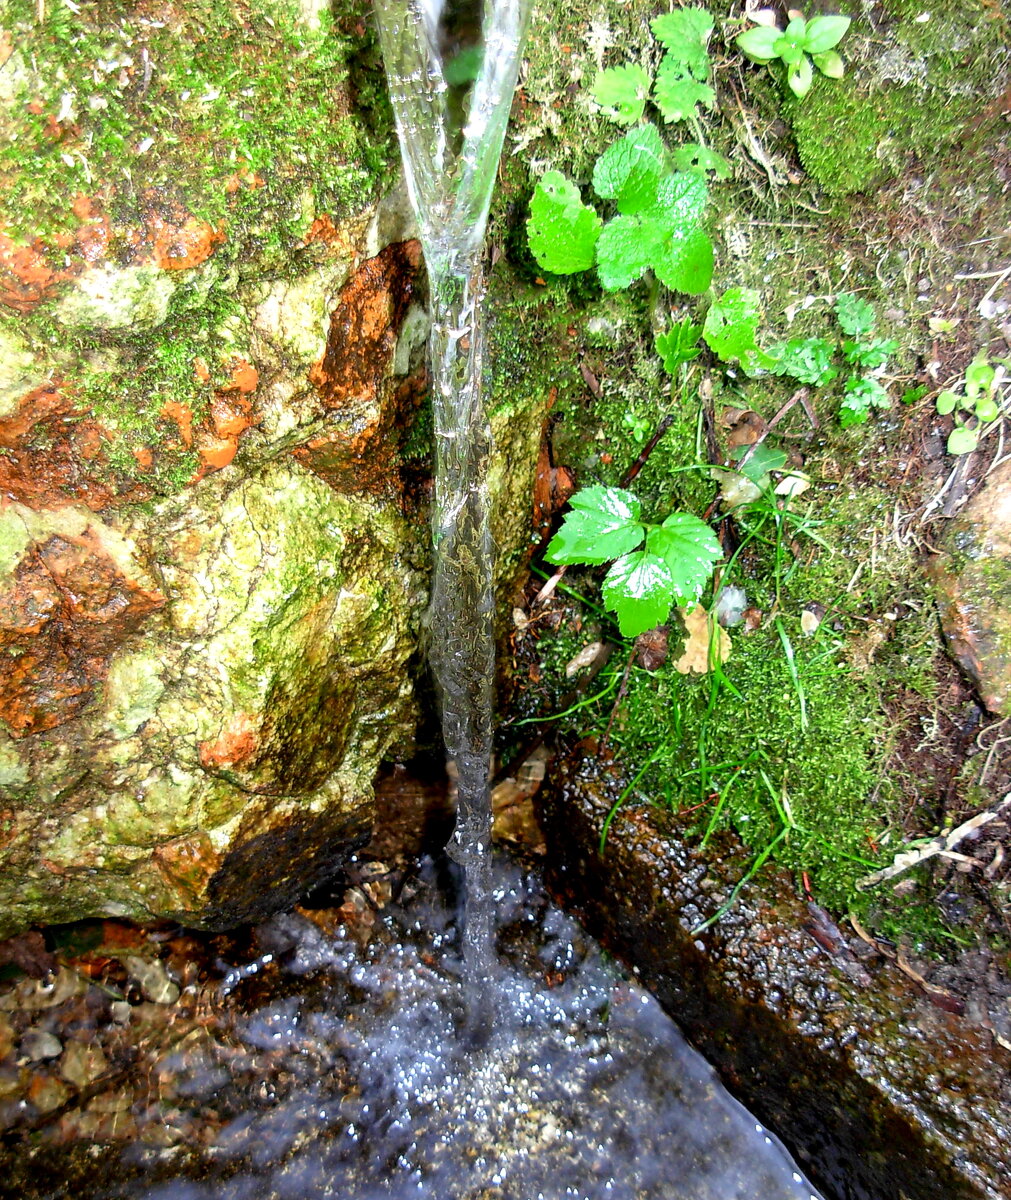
(705,645)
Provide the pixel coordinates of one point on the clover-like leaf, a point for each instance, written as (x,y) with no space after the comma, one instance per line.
(690,550)
(626,248)
(639,589)
(823,33)
(562,231)
(676,92)
(621,92)
(759,44)
(602,523)
(630,170)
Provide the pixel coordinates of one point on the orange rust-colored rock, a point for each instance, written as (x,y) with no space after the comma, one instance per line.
(69,607)
(179,246)
(364,327)
(326,231)
(234,745)
(173,410)
(54,455)
(188,864)
(26,277)
(243,377)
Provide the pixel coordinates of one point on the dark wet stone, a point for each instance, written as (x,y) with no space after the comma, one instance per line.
(880,1093)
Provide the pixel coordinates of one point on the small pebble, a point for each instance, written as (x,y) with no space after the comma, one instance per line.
(152,979)
(38,1045)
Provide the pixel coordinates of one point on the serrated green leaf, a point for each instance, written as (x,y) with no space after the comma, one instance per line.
(675,92)
(626,248)
(690,549)
(947,402)
(855,316)
(759,44)
(870,354)
(862,395)
(800,76)
(693,157)
(808,360)
(679,345)
(562,231)
(621,92)
(824,32)
(730,328)
(639,589)
(830,64)
(852,412)
(684,262)
(631,169)
(684,32)
(962,440)
(603,523)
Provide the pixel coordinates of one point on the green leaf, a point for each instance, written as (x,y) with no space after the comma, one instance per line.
(830,64)
(684,263)
(685,34)
(631,169)
(690,549)
(825,32)
(962,440)
(979,376)
(790,46)
(986,409)
(870,355)
(679,345)
(626,248)
(675,92)
(693,157)
(808,360)
(730,328)
(763,459)
(947,402)
(681,199)
(603,523)
(856,317)
(862,395)
(799,77)
(621,92)
(759,44)
(562,231)
(639,588)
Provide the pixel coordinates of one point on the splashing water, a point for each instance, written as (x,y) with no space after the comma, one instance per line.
(452,73)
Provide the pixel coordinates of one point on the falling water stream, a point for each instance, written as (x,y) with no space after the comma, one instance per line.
(452,67)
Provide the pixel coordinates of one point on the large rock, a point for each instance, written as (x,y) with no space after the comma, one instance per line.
(973,583)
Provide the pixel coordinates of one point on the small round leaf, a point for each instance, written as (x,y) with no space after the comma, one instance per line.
(962,440)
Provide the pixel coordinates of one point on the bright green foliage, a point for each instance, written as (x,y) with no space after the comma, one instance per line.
(562,230)
(980,401)
(603,524)
(644,582)
(808,360)
(762,459)
(869,355)
(802,46)
(658,226)
(621,92)
(855,316)
(679,345)
(681,80)
(863,394)
(730,328)
(692,157)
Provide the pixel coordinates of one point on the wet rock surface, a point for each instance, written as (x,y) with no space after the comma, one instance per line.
(972,578)
(881,1089)
(320,1053)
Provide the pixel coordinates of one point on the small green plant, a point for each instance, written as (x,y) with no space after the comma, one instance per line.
(660,195)
(653,567)
(802,46)
(979,400)
(731,331)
